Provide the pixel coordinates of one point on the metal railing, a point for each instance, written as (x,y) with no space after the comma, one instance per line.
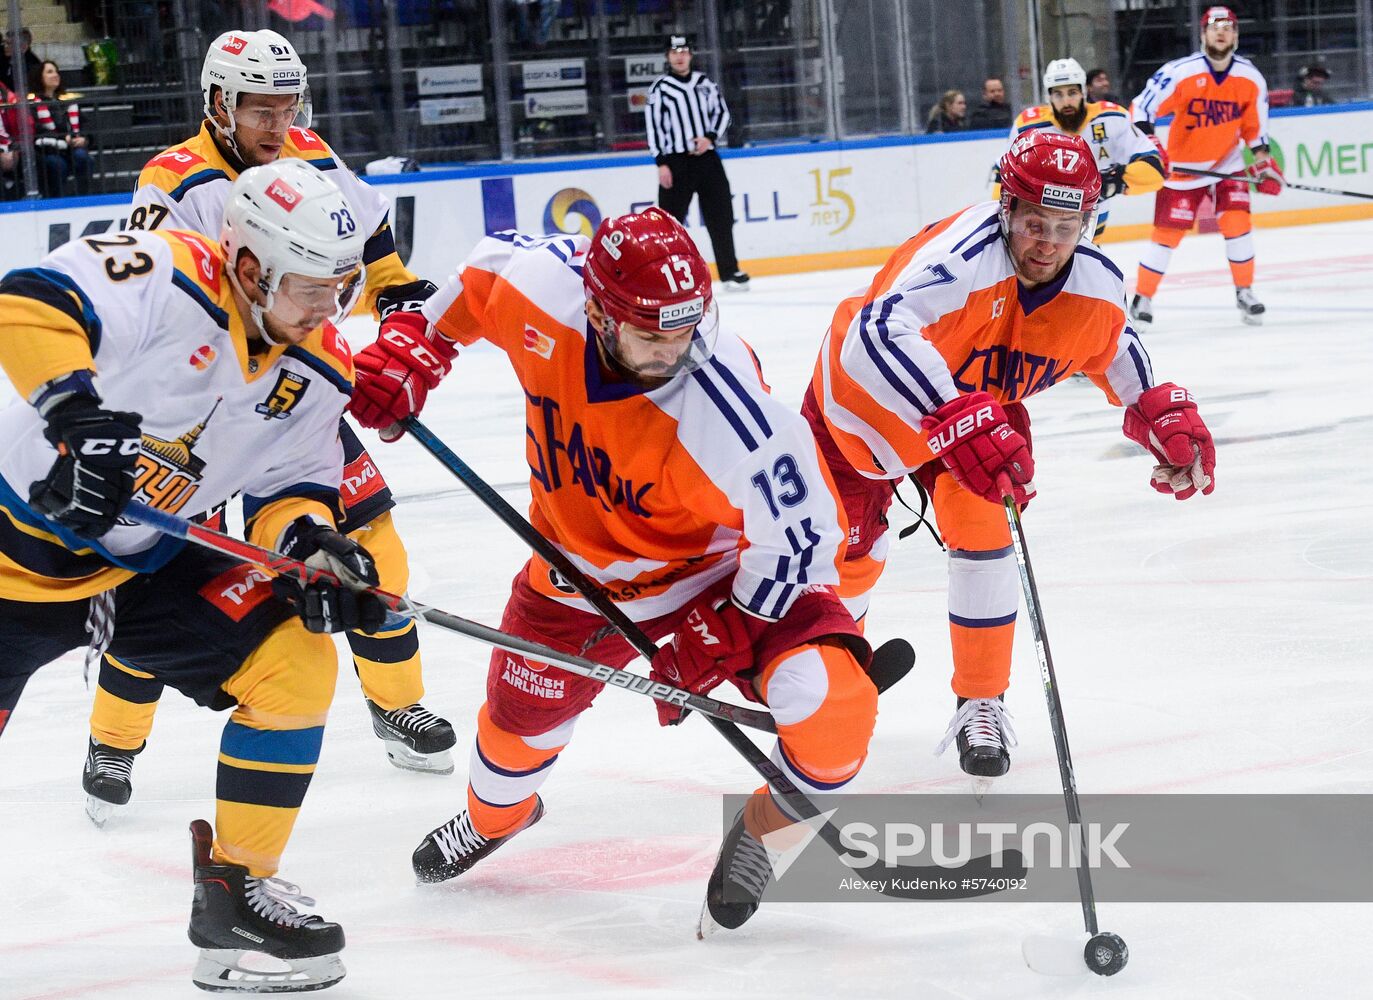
(460,80)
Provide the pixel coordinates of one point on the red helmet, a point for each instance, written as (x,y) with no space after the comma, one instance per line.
(644,269)
(1050,169)
(1218,15)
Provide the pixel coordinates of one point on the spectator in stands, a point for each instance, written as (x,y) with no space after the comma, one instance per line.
(1310,89)
(950,114)
(993,112)
(534,21)
(1099,86)
(32,64)
(9,162)
(57,135)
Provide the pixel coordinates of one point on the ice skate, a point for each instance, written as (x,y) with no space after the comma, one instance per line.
(742,871)
(982,730)
(416,739)
(288,951)
(1251,309)
(107,779)
(455,847)
(1142,311)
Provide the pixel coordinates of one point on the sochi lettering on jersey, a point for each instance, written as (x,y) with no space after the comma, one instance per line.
(1017,373)
(574,461)
(1204,111)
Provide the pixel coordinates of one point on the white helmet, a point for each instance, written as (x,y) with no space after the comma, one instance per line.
(1062,73)
(295,220)
(253,62)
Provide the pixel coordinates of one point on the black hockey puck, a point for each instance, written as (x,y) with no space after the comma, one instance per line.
(1106,953)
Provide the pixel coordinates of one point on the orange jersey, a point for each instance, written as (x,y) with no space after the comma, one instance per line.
(656,494)
(1215,115)
(947,316)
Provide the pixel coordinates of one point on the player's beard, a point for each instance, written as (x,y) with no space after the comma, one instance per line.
(1072,119)
(1220,55)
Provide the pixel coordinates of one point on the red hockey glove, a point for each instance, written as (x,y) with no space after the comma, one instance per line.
(971,437)
(714,645)
(1266,171)
(394,375)
(1166,421)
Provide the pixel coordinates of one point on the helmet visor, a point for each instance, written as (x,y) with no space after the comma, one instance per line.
(1050,225)
(320,299)
(268,119)
(662,354)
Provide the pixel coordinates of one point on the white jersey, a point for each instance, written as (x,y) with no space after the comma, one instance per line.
(186,187)
(1107,130)
(153,315)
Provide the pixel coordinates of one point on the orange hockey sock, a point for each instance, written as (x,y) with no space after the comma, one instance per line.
(1154,261)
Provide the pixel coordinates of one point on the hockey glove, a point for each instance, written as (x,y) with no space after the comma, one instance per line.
(714,645)
(971,437)
(395,374)
(1166,421)
(1112,182)
(340,605)
(1266,171)
(93,478)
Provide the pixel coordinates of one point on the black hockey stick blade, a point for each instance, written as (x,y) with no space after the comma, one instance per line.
(891,661)
(978,877)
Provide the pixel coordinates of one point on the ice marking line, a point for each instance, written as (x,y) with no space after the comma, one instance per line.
(103,987)
(1268,273)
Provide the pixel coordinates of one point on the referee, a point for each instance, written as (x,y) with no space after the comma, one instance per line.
(686,116)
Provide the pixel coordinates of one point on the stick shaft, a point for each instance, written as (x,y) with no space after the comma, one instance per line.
(283,565)
(1056,722)
(1254,181)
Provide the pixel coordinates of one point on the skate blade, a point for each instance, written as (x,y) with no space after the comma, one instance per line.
(226,970)
(407,760)
(706,926)
(1252,320)
(99,810)
(981,786)
(1055,954)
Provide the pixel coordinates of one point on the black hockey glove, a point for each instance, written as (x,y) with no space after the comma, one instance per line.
(325,606)
(92,480)
(1112,182)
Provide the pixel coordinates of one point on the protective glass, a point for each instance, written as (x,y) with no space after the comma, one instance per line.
(1049,225)
(655,354)
(332,300)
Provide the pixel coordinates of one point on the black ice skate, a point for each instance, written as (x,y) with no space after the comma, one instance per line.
(107,779)
(736,282)
(1142,310)
(743,870)
(455,847)
(237,919)
(982,729)
(416,739)
(1251,309)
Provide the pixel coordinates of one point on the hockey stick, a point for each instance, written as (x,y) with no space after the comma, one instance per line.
(1105,953)
(282,565)
(635,636)
(1286,183)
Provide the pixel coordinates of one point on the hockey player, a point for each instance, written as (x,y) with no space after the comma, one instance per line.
(925,374)
(255,93)
(661,465)
(1130,161)
(1219,104)
(239,380)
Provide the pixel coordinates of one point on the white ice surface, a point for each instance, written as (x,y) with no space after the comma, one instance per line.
(1219,645)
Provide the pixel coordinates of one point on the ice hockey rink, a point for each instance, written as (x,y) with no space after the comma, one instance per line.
(1217,645)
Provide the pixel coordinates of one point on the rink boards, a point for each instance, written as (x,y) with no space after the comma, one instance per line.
(798,207)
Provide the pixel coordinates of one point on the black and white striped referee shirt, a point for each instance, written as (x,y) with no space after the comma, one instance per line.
(679,110)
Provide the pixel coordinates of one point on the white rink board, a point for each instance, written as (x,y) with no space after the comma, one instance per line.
(797,203)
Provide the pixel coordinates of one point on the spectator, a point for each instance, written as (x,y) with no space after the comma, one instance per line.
(1310,89)
(9,162)
(686,119)
(993,112)
(57,135)
(949,115)
(1099,87)
(534,21)
(32,64)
